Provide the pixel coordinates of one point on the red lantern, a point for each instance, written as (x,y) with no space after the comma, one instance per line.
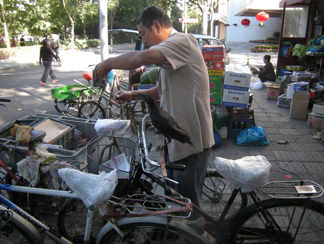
(245,22)
(262,17)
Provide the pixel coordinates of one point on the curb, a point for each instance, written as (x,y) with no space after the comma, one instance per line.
(17,67)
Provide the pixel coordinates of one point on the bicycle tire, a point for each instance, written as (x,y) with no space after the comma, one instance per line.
(61,105)
(245,228)
(149,230)
(72,218)
(90,110)
(17,229)
(216,193)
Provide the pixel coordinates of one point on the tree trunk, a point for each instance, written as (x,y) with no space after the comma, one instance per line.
(72,35)
(5,29)
(84,28)
(204,29)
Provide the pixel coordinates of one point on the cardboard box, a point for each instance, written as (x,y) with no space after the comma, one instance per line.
(215,97)
(216,72)
(213,52)
(215,82)
(237,76)
(238,113)
(318,109)
(215,65)
(274,90)
(299,105)
(235,98)
(315,121)
(296,86)
(301,76)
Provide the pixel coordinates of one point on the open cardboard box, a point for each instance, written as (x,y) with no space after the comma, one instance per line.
(274,90)
(299,105)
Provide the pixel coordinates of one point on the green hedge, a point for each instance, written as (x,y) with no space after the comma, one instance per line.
(265,48)
(6,53)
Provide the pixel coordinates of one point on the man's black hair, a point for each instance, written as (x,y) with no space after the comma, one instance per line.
(268,57)
(152,13)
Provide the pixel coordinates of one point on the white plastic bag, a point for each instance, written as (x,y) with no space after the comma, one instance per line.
(90,188)
(256,83)
(111,127)
(249,172)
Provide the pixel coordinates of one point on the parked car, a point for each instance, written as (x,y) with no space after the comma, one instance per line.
(202,40)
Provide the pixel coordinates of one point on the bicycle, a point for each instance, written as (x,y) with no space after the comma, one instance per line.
(20,227)
(67,99)
(95,108)
(227,227)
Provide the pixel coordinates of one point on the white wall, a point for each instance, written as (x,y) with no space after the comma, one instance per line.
(236,35)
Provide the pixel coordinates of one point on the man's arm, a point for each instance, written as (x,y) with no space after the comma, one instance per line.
(128,61)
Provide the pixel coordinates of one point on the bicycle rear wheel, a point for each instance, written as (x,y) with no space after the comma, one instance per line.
(150,230)
(216,193)
(90,110)
(294,221)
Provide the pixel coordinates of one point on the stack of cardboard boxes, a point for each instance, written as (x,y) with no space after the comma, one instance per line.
(236,98)
(214,60)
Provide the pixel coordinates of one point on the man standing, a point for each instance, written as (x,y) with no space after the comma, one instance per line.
(183,91)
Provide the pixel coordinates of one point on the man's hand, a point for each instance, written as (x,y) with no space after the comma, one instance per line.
(101,70)
(123,96)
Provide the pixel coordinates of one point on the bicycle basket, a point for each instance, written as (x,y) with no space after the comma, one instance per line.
(102,149)
(104,153)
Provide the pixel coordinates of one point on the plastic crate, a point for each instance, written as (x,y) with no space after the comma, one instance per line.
(235,126)
(283,101)
(70,92)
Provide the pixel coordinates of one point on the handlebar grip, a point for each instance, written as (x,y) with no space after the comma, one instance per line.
(5,100)
(179,167)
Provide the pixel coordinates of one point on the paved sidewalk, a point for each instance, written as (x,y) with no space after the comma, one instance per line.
(302,157)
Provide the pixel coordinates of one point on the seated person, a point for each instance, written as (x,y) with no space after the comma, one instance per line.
(267,73)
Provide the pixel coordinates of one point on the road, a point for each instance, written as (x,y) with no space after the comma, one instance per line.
(28,97)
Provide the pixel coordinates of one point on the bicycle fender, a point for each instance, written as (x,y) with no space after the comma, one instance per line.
(23,223)
(179,223)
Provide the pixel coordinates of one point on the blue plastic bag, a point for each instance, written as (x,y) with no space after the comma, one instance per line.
(217,139)
(110,77)
(254,136)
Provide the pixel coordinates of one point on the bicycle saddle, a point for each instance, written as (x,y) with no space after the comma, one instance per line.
(88,75)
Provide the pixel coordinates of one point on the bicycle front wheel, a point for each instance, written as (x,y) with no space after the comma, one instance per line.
(292,221)
(150,232)
(91,109)
(72,218)
(15,229)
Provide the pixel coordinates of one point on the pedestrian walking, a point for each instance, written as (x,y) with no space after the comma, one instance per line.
(46,55)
